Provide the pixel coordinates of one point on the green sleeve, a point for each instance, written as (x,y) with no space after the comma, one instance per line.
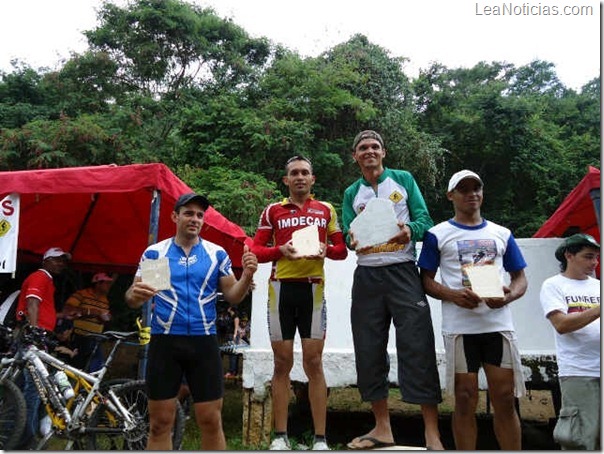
(418,211)
(348,213)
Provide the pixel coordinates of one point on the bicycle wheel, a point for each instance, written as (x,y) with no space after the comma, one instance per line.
(134,397)
(12,415)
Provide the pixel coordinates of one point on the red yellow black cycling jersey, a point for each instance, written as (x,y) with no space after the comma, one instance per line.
(277,223)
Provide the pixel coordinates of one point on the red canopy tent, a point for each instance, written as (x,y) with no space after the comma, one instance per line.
(105,216)
(579,212)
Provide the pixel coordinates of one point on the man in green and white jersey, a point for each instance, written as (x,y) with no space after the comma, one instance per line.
(387,288)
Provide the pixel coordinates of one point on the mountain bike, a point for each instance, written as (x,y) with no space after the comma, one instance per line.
(92,416)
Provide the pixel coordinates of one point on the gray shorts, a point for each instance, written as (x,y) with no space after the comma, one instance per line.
(381,295)
(578,425)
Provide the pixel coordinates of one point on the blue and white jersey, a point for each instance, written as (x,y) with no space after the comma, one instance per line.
(452,247)
(189,306)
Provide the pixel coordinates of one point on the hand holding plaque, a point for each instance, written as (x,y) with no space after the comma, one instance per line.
(376,224)
(156,273)
(485,281)
(306,242)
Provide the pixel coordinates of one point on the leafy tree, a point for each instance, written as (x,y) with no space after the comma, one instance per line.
(537,78)
(238,195)
(59,143)
(510,125)
(84,85)
(161,46)
(385,102)
(265,124)
(23,98)
(156,58)
(313,107)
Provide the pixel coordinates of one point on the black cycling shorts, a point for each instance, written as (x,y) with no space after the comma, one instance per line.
(473,350)
(197,358)
(296,305)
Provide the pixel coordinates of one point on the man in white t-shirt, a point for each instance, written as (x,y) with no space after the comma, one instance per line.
(571,302)
(477,326)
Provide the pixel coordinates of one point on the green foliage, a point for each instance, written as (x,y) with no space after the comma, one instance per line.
(22,98)
(161,46)
(518,128)
(59,143)
(83,85)
(237,194)
(383,101)
(536,78)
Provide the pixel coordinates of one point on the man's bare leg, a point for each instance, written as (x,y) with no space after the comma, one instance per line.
(283,352)
(382,430)
(208,416)
(506,422)
(161,421)
(312,352)
(465,430)
(431,431)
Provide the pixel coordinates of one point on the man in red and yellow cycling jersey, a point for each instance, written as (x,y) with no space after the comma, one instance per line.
(296,299)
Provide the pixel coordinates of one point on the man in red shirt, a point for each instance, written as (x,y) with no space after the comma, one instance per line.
(37,297)
(37,300)
(296,300)
(37,304)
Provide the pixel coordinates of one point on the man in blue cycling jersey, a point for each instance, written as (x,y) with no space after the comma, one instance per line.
(183,324)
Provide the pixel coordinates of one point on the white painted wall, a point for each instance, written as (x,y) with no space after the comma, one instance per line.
(535,333)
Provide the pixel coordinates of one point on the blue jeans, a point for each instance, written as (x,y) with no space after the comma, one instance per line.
(86,359)
(96,360)
(32,403)
(234,359)
(234,363)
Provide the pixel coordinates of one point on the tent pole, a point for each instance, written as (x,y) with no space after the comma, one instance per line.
(153,234)
(95,199)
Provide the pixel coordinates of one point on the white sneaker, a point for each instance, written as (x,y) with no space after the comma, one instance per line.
(280,444)
(320,446)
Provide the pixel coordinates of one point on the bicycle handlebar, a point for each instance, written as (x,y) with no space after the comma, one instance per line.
(37,336)
(41,337)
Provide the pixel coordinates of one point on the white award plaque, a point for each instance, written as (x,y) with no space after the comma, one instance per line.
(306,241)
(156,273)
(376,224)
(485,281)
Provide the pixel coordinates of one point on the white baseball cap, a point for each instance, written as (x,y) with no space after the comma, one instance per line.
(457,177)
(56,252)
